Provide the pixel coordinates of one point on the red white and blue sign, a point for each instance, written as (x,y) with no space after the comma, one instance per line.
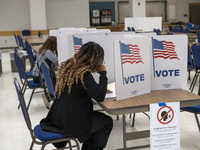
(77,44)
(169,62)
(132,67)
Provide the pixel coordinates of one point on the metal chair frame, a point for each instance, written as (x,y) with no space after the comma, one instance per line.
(28,123)
(23,78)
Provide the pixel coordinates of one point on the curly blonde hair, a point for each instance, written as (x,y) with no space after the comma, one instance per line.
(88,59)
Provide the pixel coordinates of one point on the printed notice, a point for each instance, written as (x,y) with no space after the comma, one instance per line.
(164,126)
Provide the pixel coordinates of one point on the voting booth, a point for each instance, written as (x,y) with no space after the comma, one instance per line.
(132,67)
(144,23)
(106,42)
(169,62)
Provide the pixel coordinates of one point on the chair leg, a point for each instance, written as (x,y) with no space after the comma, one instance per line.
(117,117)
(133,123)
(70,144)
(189,75)
(30,99)
(195,75)
(199,87)
(194,83)
(195,114)
(23,92)
(31,147)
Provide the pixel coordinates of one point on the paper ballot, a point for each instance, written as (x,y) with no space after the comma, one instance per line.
(111,87)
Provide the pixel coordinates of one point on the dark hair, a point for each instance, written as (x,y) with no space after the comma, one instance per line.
(89,59)
(50,43)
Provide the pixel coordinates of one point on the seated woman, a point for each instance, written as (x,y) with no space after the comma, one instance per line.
(72,112)
(48,53)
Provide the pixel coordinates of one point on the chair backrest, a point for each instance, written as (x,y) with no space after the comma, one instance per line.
(176,30)
(19,65)
(39,34)
(154,30)
(181,28)
(22,104)
(170,28)
(198,36)
(29,52)
(133,29)
(128,28)
(169,33)
(47,76)
(158,32)
(16,39)
(196,55)
(187,30)
(189,59)
(21,44)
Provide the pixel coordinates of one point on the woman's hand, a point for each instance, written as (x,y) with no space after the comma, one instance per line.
(102,68)
(108,91)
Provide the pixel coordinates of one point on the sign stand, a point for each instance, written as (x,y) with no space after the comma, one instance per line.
(164,126)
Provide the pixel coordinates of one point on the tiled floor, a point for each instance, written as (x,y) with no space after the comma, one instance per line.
(15,136)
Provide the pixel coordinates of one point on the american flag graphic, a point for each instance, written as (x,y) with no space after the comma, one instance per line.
(77,44)
(164,49)
(130,54)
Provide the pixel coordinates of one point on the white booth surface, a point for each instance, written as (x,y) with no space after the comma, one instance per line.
(106,42)
(63,43)
(75,41)
(132,67)
(169,62)
(144,23)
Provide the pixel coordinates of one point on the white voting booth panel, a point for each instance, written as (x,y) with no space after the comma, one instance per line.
(53,32)
(63,43)
(135,22)
(106,42)
(100,31)
(132,67)
(75,41)
(150,23)
(120,33)
(169,64)
(144,23)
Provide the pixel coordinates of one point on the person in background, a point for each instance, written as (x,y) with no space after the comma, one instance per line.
(72,112)
(47,53)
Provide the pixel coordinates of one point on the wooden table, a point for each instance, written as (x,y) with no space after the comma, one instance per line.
(37,41)
(29,37)
(141,104)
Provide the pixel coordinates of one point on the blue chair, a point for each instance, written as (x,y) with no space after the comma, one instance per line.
(176,30)
(190,63)
(198,36)
(48,80)
(170,28)
(40,34)
(30,54)
(133,29)
(27,83)
(128,28)
(169,33)
(187,30)
(21,43)
(38,135)
(195,110)
(181,28)
(158,32)
(154,30)
(16,40)
(196,55)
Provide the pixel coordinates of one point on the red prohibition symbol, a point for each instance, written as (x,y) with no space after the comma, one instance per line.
(165,117)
